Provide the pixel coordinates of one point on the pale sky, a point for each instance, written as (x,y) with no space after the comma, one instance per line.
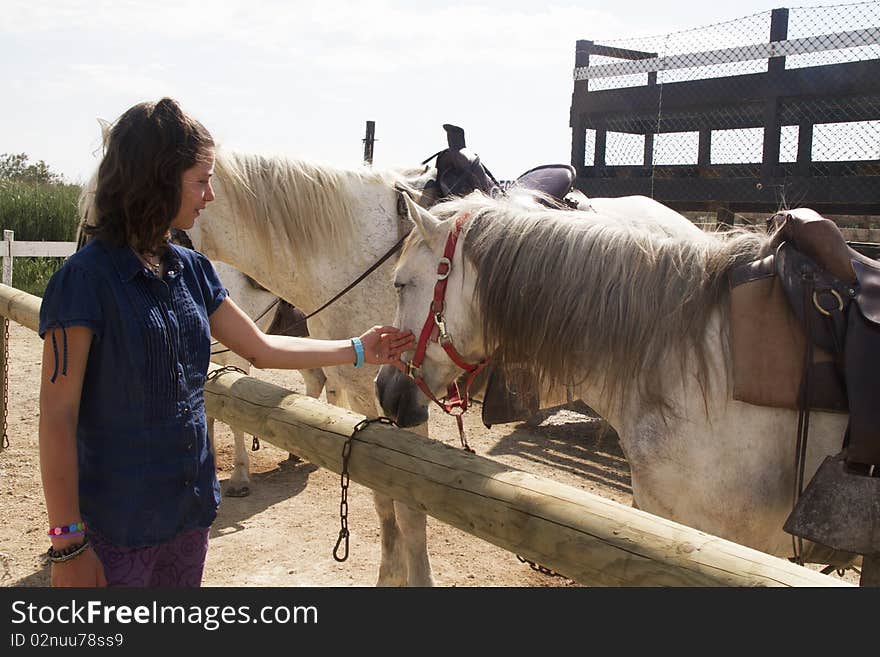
(301,77)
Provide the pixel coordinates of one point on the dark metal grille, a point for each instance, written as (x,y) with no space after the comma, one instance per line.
(747,115)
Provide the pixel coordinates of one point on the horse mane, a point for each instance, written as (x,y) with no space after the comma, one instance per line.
(577,295)
(307,206)
(85,207)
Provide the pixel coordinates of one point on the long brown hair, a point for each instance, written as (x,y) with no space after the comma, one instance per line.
(139,180)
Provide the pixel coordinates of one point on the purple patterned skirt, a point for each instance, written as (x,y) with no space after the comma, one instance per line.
(176,563)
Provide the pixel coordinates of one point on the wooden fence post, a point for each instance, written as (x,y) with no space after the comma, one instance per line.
(8,237)
(369,140)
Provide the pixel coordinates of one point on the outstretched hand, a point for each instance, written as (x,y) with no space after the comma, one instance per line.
(384,344)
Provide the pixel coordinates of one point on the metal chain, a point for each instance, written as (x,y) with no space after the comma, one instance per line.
(255,444)
(5,382)
(223,370)
(827,570)
(343,504)
(344,481)
(541,569)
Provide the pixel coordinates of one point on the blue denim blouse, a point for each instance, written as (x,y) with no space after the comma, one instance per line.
(146,468)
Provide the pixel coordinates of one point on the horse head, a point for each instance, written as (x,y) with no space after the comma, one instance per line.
(436,301)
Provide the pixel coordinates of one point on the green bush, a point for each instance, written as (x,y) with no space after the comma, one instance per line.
(32,274)
(37,212)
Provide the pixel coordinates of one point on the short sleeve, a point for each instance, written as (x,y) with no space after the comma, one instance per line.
(71,299)
(212,289)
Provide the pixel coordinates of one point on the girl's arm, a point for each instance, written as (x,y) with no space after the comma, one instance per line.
(59,411)
(231,326)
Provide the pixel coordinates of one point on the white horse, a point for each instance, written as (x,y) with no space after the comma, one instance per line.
(305,232)
(636,321)
(260,305)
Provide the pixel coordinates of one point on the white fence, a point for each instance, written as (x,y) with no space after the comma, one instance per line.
(10,249)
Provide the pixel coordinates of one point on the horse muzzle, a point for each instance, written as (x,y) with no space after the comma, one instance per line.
(400,398)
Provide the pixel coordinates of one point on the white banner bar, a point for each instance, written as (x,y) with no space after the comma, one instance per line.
(821,43)
(37,249)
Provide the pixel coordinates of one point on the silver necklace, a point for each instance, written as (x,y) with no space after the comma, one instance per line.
(156,268)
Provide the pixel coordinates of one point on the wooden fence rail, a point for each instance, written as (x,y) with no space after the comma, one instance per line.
(586,537)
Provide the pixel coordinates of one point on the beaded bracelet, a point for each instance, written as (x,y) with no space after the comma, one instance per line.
(68,553)
(76,529)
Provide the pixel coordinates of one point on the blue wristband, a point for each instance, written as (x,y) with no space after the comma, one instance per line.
(358,350)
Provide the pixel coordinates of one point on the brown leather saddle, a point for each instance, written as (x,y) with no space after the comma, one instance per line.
(460,171)
(813,287)
(805,334)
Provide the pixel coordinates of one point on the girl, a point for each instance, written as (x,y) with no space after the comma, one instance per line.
(128,473)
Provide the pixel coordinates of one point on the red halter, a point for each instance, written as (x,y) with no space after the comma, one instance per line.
(434,330)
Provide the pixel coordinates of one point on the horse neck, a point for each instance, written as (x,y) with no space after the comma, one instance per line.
(266,250)
(598,382)
(688,400)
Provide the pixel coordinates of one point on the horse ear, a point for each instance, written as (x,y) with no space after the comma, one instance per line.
(428,225)
(105,129)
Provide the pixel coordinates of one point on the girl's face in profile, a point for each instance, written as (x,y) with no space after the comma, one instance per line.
(196,193)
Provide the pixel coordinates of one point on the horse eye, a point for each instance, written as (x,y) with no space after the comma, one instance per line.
(399,286)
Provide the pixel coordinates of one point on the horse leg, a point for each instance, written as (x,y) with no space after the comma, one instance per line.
(332,396)
(392,568)
(239,483)
(413,525)
(404,541)
(211,435)
(315,380)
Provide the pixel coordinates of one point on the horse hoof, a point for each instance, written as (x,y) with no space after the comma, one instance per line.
(293,459)
(238,491)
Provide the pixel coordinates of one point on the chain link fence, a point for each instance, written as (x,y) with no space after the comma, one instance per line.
(777,109)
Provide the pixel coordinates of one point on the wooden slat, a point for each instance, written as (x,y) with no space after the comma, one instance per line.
(857,79)
(856,195)
(38,249)
(821,43)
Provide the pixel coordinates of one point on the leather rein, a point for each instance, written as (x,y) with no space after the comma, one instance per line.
(434,330)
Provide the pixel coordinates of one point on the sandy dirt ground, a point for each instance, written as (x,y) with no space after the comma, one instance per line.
(284,533)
